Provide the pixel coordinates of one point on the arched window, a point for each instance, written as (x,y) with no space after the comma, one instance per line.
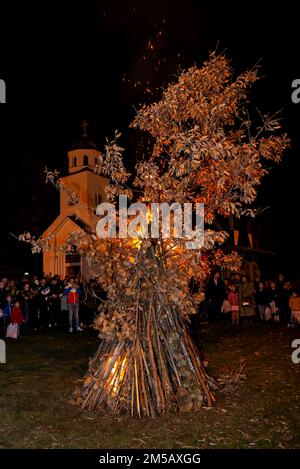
(74,161)
(85,160)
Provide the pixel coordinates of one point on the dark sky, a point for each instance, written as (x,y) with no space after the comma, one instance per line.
(99,60)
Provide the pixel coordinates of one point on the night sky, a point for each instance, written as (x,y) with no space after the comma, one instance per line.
(99,60)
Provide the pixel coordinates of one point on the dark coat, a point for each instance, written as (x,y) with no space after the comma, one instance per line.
(215,292)
(262,297)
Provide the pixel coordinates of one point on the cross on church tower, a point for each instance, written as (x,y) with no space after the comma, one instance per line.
(77,212)
(84,125)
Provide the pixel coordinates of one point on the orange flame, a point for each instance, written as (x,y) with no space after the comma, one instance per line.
(116,376)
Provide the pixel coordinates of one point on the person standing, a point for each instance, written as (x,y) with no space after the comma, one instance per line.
(294,304)
(64,313)
(281,281)
(284,292)
(257,281)
(262,299)
(72,291)
(233,298)
(247,301)
(7,310)
(2,323)
(17,320)
(215,294)
(13,288)
(26,296)
(43,303)
(3,293)
(286,310)
(54,303)
(274,305)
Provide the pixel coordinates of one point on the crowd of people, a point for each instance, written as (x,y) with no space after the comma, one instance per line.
(34,304)
(238,300)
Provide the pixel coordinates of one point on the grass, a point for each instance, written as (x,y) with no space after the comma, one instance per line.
(263,412)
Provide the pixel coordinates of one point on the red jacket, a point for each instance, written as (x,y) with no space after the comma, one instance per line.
(233,298)
(72,294)
(17,315)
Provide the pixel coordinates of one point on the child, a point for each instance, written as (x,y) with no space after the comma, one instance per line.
(17,320)
(7,309)
(72,291)
(274,302)
(233,298)
(294,304)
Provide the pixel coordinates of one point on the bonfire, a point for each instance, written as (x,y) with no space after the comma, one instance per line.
(205,149)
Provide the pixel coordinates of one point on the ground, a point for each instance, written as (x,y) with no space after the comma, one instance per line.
(261,412)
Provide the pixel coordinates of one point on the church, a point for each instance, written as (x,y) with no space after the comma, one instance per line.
(78,213)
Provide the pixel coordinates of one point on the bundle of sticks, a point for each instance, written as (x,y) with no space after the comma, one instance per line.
(156,373)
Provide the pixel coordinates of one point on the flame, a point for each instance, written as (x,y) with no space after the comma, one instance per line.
(136,243)
(149,216)
(116,375)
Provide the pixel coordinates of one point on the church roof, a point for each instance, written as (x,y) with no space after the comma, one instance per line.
(85,143)
(78,221)
(60,221)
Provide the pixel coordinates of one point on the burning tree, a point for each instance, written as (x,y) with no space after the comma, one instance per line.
(205,149)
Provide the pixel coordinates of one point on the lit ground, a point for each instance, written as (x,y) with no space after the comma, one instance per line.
(42,371)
